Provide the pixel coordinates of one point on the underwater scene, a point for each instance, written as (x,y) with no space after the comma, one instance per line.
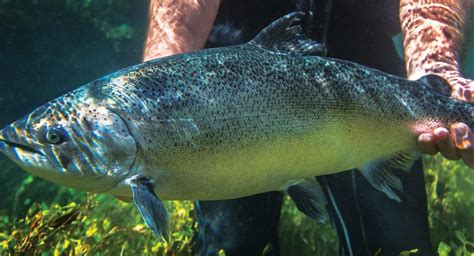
(215,152)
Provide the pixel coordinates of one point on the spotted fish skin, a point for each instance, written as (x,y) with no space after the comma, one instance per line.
(229,122)
(204,115)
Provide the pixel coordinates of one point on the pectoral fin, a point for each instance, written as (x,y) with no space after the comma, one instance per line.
(309,198)
(379,173)
(149,205)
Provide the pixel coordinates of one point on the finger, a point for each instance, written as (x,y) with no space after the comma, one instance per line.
(427,144)
(469,91)
(445,144)
(462,135)
(463,140)
(463,89)
(468,95)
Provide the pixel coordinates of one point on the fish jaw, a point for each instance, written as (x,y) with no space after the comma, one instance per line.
(36,162)
(28,158)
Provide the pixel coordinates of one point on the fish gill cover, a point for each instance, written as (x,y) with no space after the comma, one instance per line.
(75,42)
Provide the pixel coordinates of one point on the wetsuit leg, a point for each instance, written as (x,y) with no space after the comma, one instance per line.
(368,221)
(362,31)
(244,226)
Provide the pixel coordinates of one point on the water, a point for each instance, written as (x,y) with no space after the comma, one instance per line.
(51,47)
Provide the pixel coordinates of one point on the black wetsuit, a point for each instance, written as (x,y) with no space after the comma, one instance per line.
(366,220)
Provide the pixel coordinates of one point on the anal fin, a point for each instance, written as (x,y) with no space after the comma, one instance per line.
(309,198)
(379,173)
(149,205)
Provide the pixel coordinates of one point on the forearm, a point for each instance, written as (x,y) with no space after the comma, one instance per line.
(178,26)
(433,32)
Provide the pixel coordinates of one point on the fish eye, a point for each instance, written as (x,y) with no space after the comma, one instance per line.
(55,136)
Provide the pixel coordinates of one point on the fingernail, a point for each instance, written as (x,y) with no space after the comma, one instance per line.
(467,95)
(463,137)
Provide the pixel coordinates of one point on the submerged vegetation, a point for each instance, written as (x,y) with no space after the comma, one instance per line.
(77,41)
(97,225)
(89,225)
(450,190)
(51,220)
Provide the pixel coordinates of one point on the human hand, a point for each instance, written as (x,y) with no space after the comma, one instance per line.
(463,88)
(455,144)
(431,50)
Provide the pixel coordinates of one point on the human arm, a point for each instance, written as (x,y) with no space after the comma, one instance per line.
(178,26)
(433,32)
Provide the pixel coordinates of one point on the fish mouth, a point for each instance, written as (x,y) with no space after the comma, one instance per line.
(22,147)
(18,151)
(26,157)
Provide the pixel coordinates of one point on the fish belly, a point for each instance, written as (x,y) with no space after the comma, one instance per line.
(233,171)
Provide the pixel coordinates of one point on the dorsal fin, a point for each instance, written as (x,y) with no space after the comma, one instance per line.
(437,84)
(283,36)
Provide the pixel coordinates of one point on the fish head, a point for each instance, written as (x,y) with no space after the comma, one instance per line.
(79,143)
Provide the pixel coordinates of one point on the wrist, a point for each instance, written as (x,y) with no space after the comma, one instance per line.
(461,88)
(178,26)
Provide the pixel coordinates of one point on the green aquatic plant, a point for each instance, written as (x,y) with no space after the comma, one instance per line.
(450,190)
(106,17)
(40,218)
(300,235)
(115,20)
(97,225)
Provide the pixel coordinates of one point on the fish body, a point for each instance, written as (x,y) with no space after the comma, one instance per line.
(229,122)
